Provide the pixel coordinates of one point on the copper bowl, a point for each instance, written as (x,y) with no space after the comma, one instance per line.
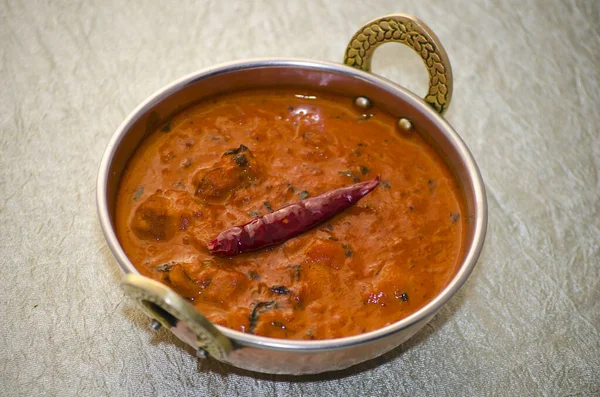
(353,79)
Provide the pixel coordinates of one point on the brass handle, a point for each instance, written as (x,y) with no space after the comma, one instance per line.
(175,313)
(408,30)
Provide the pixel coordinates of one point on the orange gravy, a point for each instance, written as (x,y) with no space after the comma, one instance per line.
(369,266)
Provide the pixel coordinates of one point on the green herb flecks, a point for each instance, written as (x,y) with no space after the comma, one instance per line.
(258,309)
(455,217)
(296,272)
(401,296)
(279,289)
(268,206)
(165,267)
(385,184)
(237,150)
(350,174)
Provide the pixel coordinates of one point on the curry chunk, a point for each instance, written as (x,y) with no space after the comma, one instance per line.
(152,220)
(236,169)
(162,214)
(183,283)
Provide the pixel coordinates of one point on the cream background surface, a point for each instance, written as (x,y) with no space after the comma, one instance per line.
(526,101)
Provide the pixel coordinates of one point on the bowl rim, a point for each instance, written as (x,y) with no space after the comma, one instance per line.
(472,252)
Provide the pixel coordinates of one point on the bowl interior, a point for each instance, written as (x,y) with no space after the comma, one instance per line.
(309,75)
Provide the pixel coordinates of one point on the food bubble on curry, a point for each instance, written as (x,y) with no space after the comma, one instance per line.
(405,124)
(241,156)
(363,102)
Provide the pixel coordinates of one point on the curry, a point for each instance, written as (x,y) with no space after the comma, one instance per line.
(240,156)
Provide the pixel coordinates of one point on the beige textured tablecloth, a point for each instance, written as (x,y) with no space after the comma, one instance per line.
(526,101)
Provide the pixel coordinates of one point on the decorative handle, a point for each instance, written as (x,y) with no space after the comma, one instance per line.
(408,30)
(179,316)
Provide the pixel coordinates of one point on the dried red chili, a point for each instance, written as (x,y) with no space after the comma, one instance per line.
(289,221)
